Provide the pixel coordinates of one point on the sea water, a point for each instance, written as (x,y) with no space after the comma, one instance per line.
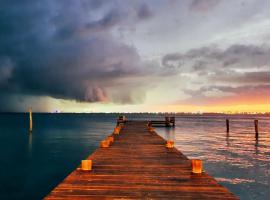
(32,164)
(236,159)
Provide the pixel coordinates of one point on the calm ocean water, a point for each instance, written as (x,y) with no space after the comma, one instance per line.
(33,164)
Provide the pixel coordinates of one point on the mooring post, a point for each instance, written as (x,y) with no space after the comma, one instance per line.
(172,120)
(256,123)
(30,120)
(167,121)
(228,125)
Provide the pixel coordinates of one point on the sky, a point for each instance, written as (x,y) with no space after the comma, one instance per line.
(135,55)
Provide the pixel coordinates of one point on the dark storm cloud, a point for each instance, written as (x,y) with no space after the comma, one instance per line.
(6,68)
(65,49)
(109,20)
(94,4)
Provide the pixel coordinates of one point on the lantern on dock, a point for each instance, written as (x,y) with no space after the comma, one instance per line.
(116,130)
(110,139)
(86,165)
(197,166)
(104,143)
(170,144)
(151,129)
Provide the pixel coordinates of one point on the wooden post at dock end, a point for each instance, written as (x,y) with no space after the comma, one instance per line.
(121,120)
(172,120)
(30,120)
(228,125)
(256,123)
(167,121)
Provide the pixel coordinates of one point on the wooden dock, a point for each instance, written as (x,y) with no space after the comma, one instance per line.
(139,166)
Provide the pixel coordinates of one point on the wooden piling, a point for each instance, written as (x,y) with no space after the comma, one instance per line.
(30,120)
(121,120)
(167,121)
(139,166)
(256,124)
(227,125)
(172,120)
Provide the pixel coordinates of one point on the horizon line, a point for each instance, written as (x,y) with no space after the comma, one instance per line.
(175,113)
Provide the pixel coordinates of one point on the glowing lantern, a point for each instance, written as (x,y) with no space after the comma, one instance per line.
(110,139)
(116,130)
(196,166)
(151,129)
(86,165)
(105,143)
(170,144)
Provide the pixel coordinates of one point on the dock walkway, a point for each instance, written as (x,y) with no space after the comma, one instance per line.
(139,166)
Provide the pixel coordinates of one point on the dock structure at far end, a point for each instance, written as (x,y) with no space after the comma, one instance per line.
(168,122)
(121,120)
(137,165)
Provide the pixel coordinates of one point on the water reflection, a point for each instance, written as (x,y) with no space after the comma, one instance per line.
(170,133)
(228,139)
(235,180)
(256,146)
(30,141)
(49,154)
(239,160)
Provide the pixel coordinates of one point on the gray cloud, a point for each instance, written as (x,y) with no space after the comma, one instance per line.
(63,50)
(248,61)
(144,12)
(225,75)
(203,5)
(245,78)
(248,95)
(6,68)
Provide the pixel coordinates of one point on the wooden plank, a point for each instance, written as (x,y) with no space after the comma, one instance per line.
(139,166)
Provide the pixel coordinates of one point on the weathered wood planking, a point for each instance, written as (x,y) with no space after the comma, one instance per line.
(138,166)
